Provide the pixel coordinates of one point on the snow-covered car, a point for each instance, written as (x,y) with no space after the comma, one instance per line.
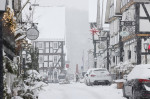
(97,76)
(63,79)
(82,77)
(45,78)
(137,84)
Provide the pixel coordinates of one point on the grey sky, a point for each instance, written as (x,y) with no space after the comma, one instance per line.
(52,19)
(71,20)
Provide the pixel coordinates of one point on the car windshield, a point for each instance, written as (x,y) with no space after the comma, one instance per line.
(147,84)
(61,77)
(100,70)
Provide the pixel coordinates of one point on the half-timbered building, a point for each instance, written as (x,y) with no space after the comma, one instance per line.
(132,19)
(51,56)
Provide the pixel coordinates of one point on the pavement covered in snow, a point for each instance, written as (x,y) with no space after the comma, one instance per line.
(80,91)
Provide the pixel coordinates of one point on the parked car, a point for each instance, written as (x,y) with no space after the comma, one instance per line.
(82,77)
(137,84)
(97,76)
(45,78)
(63,79)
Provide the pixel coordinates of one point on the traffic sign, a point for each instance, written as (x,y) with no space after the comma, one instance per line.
(32,34)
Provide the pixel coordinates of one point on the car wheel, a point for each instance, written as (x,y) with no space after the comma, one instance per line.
(90,83)
(108,83)
(123,91)
(86,82)
(134,95)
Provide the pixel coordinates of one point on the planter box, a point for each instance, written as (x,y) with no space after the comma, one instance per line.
(119,85)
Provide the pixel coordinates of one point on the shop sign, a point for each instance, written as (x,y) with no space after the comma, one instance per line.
(32,34)
(124,33)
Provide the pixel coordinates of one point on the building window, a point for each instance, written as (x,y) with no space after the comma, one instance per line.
(47,50)
(114,59)
(41,59)
(40,45)
(40,51)
(55,45)
(55,59)
(111,14)
(47,44)
(50,58)
(45,64)
(45,58)
(129,54)
(124,2)
(40,65)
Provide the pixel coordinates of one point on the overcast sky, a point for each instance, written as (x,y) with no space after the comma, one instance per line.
(68,19)
(51,17)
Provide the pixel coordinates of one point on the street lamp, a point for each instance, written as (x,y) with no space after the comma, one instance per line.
(146,48)
(23,63)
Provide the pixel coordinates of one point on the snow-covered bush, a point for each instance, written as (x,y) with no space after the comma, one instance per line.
(8,67)
(32,75)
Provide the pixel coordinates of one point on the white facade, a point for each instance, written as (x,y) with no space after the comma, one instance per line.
(125,11)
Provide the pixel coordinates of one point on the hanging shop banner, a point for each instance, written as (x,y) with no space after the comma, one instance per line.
(124,33)
(32,34)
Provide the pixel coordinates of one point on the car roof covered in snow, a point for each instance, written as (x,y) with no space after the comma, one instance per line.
(96,69)
(140,72)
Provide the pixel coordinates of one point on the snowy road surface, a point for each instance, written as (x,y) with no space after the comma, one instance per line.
(80,91)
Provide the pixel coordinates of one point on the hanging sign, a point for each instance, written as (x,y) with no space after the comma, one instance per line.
(32,34)
(124,33)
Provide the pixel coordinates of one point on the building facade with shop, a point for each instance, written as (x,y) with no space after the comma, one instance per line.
(129,28)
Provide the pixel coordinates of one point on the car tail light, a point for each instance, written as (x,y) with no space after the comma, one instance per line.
(93,75)
(143,80)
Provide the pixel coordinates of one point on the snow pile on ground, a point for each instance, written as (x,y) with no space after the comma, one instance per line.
(140,72)
(16,97)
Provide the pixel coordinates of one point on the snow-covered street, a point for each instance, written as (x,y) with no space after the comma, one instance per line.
(80,91)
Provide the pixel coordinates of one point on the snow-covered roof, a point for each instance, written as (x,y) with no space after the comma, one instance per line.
(21,37)
(140,72)
(95,69)
(20,31)
(49,39)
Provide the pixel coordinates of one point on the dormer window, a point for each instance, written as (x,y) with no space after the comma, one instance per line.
(111,9)
(124,2)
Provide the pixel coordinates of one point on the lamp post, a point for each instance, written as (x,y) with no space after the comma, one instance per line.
(146,48)
(89,52)
(23,62)
(94,31)
(108,39)
(32,59)
(2,10)
(22,48)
